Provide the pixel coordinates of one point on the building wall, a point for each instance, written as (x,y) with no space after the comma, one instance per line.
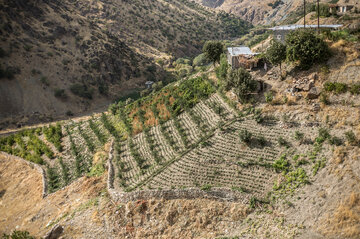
(280,35)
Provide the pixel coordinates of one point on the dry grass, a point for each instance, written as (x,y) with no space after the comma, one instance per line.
(339,116)
(347,48)
(340,154)
(345,220)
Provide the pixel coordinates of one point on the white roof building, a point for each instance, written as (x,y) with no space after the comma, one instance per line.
(240,50)
(280,32)
(294,27)
(241,56)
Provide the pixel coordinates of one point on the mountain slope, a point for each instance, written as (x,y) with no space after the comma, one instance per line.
(77,56)
(264,11)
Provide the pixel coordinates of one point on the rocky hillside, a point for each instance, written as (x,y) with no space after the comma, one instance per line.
(265,11)
(191,170)
(60,58)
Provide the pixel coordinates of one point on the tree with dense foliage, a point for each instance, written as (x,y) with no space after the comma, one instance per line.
(306,48)
(200,60)
(276,53)
(242,82)
(213,51)
(222,70)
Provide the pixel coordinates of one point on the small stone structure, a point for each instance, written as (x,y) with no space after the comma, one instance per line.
(341,9)
(241,56)
(149,84)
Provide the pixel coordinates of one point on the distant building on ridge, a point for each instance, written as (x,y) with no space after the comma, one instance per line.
(341,9)
(280,32)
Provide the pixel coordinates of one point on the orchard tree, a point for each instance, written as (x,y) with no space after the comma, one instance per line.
(242,82)
(213,51)
(222,69)
(306,48)
(276,53)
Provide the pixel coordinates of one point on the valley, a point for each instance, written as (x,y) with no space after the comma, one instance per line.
(178,119)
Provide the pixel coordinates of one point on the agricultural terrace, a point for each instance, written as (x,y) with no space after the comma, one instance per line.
(186,135)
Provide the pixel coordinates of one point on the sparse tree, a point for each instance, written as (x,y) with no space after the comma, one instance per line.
(221,71)
(276,53)
(213,51)
(242,82)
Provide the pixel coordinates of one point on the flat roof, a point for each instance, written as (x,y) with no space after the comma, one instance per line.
(294,27)
(240,50)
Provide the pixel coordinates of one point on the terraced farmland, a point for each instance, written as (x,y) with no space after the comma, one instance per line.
(185,136)
(217,158)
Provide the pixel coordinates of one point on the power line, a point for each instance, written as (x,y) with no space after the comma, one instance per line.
(318,14)
(304,13)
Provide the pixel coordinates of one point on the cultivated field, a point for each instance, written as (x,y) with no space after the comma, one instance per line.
(184,136)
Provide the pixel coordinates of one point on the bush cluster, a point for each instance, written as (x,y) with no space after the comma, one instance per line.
(340,88)
(82,91)
(54,135)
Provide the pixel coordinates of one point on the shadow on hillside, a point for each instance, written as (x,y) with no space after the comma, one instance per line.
(2,193)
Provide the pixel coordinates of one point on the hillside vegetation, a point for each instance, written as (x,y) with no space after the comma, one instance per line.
(60,58)
(209,152)
(267,12)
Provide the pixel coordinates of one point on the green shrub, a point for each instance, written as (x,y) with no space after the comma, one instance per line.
(351,138)
(299,135)
(341,35)
(60,93)
(18,235)
(340,88)
(213,51)
(95,128)
(324,98)
(275,4)
(283,142)
(261,140)
(222,70)
(335,141)
(276,53)
(64,172)
(69,113)
(9,72)
(269,96)
(355,89)
(27,47)
(54,135)
(242,82)
(183,61)
(206,187)
(307,48)
(318,165)
(245,136)
(53,179)
(324,10)
(88,141)
(44,81)
(81,90)
(329,86)
(323,135)
(282,164)
(103,88)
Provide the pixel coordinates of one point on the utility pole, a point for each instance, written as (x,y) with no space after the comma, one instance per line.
(318,13)
(304,14)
